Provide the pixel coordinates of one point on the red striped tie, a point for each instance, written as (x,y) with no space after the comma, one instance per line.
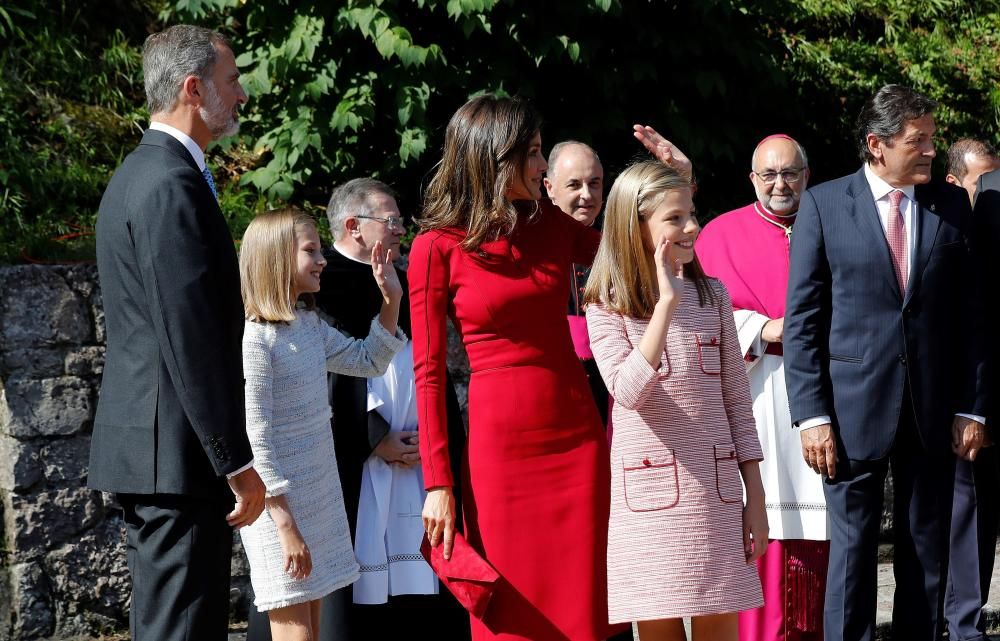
(895,233)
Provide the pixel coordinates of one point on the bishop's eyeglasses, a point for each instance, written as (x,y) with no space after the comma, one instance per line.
(789,176)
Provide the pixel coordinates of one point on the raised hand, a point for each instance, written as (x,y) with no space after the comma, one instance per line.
(669,274)
(665,151)
(385,274)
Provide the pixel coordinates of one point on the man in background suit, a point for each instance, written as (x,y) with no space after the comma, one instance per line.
(883,341)
(169,436)
(975,506)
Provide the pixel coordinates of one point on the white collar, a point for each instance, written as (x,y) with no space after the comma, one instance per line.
(881,188)
(344,253)
(196,153)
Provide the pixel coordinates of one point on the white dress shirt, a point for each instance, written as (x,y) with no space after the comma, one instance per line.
(907,207)
(186,140)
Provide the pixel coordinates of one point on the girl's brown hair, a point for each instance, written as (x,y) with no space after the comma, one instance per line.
(485,147)
(624,276)
(267,265)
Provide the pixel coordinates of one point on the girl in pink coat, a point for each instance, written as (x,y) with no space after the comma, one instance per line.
(683,540)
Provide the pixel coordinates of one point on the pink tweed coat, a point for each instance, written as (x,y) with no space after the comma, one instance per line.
(675,544)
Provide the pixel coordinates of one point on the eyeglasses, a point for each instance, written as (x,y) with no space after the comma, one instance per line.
(789,176)
(392,222)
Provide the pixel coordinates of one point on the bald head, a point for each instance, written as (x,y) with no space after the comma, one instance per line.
(575,180)
(779,173)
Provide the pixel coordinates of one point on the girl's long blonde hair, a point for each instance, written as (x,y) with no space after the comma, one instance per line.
(268,266)
(624,276)
(485,146)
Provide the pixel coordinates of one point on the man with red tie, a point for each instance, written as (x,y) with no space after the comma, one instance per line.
(883,349)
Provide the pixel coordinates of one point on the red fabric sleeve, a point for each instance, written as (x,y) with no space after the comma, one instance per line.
(429,302)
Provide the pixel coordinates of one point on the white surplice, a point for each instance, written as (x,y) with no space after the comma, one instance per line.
(389,532)
(796,507)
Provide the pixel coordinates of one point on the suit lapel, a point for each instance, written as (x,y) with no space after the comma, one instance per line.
(927,223)
(866,212)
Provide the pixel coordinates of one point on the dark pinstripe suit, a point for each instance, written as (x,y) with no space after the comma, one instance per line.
(891,372)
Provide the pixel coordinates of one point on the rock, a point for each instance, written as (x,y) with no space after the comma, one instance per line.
(81,278)
(33,363)
(47,407)
(19,468)
(97,312)
(85,601)
(38,309)
(66,460)
(86,361)
(38,522)
(30,593)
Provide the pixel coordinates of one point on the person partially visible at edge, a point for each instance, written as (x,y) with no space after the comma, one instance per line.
(976,507)
(378,459)
(169,435)
(968,159)
(748,250)
(880,271)
(681,541)
(574,183)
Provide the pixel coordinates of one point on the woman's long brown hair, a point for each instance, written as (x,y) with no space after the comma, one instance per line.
(485,146)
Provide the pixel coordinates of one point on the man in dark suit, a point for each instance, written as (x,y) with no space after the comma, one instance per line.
(883,342)
(169,436)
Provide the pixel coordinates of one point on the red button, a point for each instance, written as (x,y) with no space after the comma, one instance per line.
(646,462)
(714,340)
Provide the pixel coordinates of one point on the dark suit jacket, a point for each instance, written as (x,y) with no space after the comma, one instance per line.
(349,295)
(170,417)
(851,340)
(986,240)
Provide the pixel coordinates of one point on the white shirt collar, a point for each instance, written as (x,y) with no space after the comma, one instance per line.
(880,188)
(196,153)
(348,256)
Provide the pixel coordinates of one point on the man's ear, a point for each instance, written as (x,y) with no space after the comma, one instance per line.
(875,145)
(191,91)
(953,179)
(353,226)
(548,186)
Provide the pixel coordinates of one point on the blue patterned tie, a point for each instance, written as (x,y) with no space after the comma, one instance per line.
(211,183)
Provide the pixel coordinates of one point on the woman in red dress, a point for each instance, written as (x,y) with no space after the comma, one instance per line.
(536,475)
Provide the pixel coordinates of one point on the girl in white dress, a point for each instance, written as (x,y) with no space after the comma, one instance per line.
(300,548)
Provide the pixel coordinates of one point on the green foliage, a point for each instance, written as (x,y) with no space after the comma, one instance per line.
(69,100)
(366,87)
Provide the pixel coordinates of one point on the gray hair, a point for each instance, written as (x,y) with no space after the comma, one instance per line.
(352,199)
(886,113)
(801,150)
(559,147)
(170,56)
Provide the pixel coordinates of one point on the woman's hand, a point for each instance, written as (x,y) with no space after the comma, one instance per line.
(298,560)
(385,274)
(669,274)
(439,518)
(665,151)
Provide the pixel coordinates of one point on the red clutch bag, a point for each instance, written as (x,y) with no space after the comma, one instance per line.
(467,575)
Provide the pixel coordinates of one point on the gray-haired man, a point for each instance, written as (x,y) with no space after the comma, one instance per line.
(169,431)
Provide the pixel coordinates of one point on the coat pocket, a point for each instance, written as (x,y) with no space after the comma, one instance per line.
(727,474)
(650,481)
(708,353)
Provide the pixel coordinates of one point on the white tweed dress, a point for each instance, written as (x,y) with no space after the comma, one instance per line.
(288,422)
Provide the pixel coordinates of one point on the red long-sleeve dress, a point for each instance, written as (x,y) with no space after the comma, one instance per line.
(536,473)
